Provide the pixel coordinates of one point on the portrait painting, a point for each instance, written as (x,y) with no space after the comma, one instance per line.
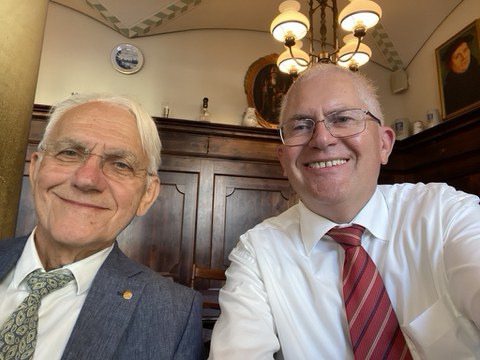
(459,71)
(265,86)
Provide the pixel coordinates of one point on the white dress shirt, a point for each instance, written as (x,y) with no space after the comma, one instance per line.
(58,310)
(283,292)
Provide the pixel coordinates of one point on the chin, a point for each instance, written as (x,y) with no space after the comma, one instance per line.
(77,238)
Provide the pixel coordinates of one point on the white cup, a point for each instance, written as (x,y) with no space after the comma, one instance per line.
(402,128)
(417,127)
(433,117)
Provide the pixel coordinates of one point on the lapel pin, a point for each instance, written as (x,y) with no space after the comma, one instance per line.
(127,294)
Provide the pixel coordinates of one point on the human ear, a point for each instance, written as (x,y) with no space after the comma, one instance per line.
(280,153)
(32,169)
(387,140)
(150,196)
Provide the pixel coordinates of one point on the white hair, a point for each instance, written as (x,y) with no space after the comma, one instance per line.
(365,88)
(149,138)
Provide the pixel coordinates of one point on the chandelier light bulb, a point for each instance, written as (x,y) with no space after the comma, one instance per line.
(360,14)
(347,56)
(296,65)
(290,23)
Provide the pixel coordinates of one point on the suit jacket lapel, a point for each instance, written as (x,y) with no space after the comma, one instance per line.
(107,310)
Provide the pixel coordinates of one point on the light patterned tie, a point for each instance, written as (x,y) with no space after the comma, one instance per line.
(18,335)
(374,329)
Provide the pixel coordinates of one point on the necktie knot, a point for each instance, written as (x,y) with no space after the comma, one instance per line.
(347,236)
(43,283)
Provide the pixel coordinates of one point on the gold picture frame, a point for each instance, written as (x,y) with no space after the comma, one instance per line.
(458,70)
(265,87)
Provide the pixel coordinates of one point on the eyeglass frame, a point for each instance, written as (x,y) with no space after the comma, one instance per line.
(366,113)
(86,154)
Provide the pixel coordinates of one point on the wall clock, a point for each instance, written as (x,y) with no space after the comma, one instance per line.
(126,58)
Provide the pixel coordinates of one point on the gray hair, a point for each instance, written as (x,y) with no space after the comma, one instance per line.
(365,88)
(149,138)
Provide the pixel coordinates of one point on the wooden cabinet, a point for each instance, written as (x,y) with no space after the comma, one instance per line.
(448,152)
(217,181)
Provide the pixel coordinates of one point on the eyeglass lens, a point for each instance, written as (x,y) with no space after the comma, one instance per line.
(117,166)
(339,124)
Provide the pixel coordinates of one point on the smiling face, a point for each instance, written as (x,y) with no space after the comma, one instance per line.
(333,177)
(81,211)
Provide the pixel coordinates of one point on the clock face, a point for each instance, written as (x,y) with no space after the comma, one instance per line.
(127,58)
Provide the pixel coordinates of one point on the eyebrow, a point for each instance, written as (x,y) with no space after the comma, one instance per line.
(120,153)
(299,117)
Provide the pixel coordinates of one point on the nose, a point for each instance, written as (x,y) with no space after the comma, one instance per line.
(321,137)
(89,175)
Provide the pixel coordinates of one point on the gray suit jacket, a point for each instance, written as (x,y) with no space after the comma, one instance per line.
(162,320)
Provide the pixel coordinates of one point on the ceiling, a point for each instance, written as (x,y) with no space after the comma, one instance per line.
(404,27)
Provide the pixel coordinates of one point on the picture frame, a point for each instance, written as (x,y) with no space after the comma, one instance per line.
(126,58)
(458,68)
(265,86)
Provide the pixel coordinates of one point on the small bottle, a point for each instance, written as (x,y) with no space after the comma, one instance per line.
(204,114)
(166,111)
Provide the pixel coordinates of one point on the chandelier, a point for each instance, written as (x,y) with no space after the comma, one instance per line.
(290,26)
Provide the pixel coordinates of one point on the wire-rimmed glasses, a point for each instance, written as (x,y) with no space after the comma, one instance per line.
(119,165)
(340,124)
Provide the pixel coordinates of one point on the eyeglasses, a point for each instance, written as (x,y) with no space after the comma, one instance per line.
(118,166)
(340,124)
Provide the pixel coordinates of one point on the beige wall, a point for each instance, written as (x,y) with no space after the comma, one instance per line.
(424,91)
(182,68)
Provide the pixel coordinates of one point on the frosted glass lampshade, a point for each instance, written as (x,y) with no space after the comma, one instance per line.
(288,65)
(290,22)
(363,13)
(347,55)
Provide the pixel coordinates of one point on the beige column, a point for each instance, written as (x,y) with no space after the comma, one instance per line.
(23,25)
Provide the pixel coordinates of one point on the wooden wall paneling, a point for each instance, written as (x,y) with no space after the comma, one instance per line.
(164,238)
(205,213)
(448,152)
(220,180)
(240,203)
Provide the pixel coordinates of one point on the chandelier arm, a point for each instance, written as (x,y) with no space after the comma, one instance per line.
(295,59)
(286,24)
(356,50)
(310,18)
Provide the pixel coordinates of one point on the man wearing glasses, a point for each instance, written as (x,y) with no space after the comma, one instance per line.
(356,270)
(67,291)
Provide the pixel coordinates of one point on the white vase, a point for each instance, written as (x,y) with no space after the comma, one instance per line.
(250,118)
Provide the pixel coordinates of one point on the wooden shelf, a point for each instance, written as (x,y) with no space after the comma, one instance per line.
(448,152)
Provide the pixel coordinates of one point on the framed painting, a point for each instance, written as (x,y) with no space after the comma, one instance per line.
(459,71)
(265,87)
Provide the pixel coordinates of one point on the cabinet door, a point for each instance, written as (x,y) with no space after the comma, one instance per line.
(240,203)
(163,239)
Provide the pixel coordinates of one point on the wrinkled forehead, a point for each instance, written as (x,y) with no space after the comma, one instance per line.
(108,125)
(323,89)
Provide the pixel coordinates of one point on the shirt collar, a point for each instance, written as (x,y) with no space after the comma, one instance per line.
(84,270)
(373,216)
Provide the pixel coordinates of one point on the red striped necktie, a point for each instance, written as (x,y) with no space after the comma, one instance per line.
(374,329)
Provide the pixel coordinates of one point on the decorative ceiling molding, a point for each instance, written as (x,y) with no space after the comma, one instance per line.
(167,14)
(387,48)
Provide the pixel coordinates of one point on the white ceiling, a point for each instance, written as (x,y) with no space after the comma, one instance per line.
(405,25)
